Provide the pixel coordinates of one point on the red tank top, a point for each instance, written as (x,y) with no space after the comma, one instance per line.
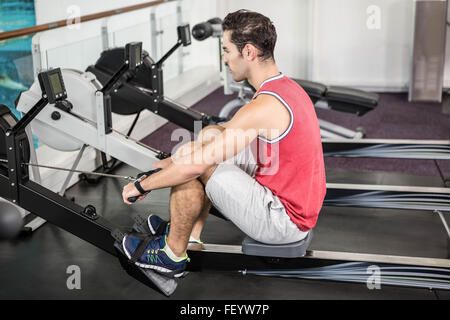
(292,165)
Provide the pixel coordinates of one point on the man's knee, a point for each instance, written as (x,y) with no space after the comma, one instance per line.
(193,187)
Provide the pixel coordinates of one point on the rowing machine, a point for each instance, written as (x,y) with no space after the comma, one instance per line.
(88,224)
(144,88)
(84,222)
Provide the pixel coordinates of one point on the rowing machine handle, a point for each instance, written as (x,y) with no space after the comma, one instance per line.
(141,176)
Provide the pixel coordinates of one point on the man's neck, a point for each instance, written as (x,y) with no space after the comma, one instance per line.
(262,73)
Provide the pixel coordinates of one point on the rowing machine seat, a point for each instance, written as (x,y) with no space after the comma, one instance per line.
(289,250)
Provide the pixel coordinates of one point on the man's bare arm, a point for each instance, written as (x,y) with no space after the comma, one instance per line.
(250,121)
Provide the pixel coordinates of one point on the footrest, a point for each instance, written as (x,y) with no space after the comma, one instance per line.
(290,250)
(148,277)
(140,224)
(351,100)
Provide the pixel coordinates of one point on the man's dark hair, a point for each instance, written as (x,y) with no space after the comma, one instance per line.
(254,28)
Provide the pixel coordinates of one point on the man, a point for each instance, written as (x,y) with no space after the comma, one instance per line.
(275,199)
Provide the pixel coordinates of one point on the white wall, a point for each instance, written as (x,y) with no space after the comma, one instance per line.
(321,40)
(329,40)
(349,52)
(79,46)
(51,10)
(292,20)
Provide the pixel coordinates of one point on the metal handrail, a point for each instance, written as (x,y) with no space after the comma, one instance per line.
(62,23)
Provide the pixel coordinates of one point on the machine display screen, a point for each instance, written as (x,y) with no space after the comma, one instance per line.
(56,84)
(52,85)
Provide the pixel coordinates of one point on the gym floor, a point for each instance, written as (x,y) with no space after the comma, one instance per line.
(35,267)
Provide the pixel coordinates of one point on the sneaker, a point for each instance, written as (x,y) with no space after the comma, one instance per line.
(195,245)
(153,255)
(156,225)
(193,241)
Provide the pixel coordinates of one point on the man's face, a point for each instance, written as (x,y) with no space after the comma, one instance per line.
(233,58)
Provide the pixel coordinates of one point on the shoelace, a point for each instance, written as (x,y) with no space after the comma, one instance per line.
(151,251)
(153,246)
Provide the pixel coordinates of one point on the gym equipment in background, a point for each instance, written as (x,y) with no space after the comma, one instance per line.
(144,88)
(11,220)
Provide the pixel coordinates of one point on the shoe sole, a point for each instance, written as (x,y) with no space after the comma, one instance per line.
(164,271)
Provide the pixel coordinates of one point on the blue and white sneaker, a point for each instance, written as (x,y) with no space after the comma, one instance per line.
(150,253)
(158,227)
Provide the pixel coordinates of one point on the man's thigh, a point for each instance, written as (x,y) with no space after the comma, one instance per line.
(252,207)
(243,160)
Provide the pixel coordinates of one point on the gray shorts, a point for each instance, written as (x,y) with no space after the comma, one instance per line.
(252,207)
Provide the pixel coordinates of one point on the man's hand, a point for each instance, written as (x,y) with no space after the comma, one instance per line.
(130,191)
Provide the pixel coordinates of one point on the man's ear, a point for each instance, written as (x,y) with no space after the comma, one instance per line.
(250,52)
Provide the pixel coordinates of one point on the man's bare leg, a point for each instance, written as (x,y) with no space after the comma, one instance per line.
(189,208)
(207,134)
(189,205)
(201,220)
(186,204)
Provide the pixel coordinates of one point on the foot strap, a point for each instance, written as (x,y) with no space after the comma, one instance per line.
(140,249)
(161,228)
(147,276)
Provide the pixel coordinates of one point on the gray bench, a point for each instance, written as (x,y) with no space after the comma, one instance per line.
(342,99)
